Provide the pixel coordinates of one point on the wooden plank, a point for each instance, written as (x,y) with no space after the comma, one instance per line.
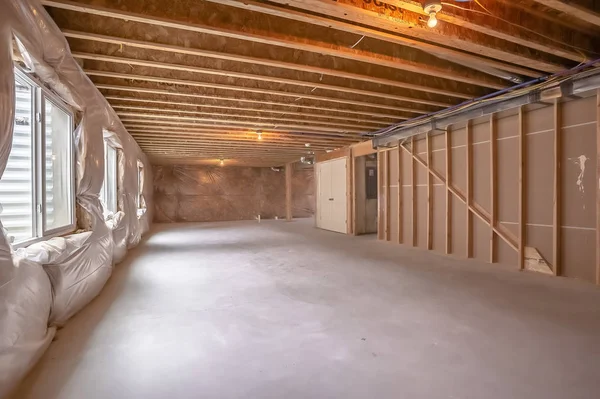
(571,8)
(400,196)
(289,168)
(194,83)
(266,62)
(493,188)
(466,58)
(388,196)
(449,196)
(469,193)
(339,153)
(413,171)
(364,148)
(380,196)
(504,235)
(275,39)
(429,193)
(598,188)
(249,76)
(556,210)
(349,190)
(522,190)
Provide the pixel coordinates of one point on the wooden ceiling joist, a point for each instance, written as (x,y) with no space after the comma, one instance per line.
(312,85)
(411,24)
(191,83)
(574,9)
(266,62)
(250,125)
(457,73)
(245,118)
(215,137)
(459,56)
(244,100)
(124,101)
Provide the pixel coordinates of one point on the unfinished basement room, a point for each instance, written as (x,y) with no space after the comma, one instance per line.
(273,199)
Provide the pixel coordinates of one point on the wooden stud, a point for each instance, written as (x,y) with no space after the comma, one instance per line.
(598,188)
(350,226)
(388,190)
(429,193)
(448,192)
(400,196)
(413,172)
(522,190)
(380,196)
(289,168)
(493,189)
(556,210)
(469,193)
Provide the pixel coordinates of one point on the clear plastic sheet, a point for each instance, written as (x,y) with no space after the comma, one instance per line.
(60,276)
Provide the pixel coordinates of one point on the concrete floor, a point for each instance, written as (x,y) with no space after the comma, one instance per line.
(282,310)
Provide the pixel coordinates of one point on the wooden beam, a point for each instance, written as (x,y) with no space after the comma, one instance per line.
(380,196)
(413,172)
(449,53)
(263,61)
(493,189)
(159,111)
(193,83)
(388,196)
(241,100)
(556,210)
(255,77)
(469,193)
(505,235)
(548,39)
(522,190)
(598,187)
(348,118)
(273,39)
(289,168)
(400,197)
(251,124)
(448,182)
(571,8)
(408,23)
(429,194)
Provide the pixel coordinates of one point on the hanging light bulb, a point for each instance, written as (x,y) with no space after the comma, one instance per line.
(221,162)
(259,133)
(431,8)
(432,20)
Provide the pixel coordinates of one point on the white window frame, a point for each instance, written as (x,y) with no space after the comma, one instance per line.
(104,195)
(40,95)
(140,188)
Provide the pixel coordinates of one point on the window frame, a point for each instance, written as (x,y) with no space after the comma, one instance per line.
(104,189)
(41,94)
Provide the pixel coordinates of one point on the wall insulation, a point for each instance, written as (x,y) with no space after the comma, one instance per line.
(530,173)
(199,193)
(43,285)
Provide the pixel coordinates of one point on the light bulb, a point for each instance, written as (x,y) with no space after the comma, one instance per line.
(260,136)
(222,162)
(432,20)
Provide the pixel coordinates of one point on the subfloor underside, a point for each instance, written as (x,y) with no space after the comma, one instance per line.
(283,310)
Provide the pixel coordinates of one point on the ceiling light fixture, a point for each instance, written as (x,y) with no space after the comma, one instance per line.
(221,162)
(431,8)
(259,133)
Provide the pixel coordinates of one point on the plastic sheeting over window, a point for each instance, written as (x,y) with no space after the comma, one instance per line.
(48,282)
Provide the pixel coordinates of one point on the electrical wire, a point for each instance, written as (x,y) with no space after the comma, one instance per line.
(490,14)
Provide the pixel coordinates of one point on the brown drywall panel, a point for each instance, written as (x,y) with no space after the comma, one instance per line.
(507,127)
(579,111)
(540,178)
(406,165)
(421,172)
(422,217)
(481,173)
(539,120)
(459,242)
(438,162)
(394,214)
(393,156)
(480,133)
(458,135)
(407,216)
(579,254)
(481,240)
(540,238)
(439,218)
(508,183)
(506,255)
(459,168)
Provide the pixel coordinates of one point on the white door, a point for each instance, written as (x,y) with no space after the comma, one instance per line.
(331,195)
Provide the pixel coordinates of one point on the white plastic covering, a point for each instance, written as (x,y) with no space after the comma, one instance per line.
(47,283)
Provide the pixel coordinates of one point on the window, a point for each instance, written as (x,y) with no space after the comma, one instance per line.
(141,204)
(108,192)
(37,189)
